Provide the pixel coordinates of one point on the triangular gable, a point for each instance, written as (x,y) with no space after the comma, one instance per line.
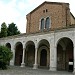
(46,2)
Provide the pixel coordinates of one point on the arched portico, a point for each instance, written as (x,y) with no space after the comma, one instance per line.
(64,54)
(43,54)
(8,45)
(18,53)
(30,53)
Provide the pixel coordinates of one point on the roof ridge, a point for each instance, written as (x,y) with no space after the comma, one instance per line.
(47,3)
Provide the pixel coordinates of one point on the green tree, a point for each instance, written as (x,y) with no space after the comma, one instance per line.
(3,30)
(12,29)
(5,56)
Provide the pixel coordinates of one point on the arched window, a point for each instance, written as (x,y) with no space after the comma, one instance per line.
(42,24)
(47,23)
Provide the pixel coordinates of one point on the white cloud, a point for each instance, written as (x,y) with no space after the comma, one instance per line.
(8,12)
(21,24)
(22,6)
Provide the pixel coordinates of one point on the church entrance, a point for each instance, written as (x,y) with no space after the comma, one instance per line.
(43,58)
(43,54)
(65,54)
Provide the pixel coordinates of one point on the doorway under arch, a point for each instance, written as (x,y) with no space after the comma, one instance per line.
(43,54)
(64,54)
(43,58)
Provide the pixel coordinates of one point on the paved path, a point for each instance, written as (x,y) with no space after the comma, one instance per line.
(30,71)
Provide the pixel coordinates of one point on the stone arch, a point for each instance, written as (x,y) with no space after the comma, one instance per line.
(30,53)
(58,39)
(43,51)
(18,53)
(64,53)
(8,45)
(43,41)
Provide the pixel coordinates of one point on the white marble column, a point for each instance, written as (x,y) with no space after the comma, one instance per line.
(12,61)
(23,63)
(35,64)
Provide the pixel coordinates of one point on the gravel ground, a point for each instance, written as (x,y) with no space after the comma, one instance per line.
(29,71)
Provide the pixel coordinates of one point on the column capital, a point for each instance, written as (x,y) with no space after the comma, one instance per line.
(36,46)
(24,47)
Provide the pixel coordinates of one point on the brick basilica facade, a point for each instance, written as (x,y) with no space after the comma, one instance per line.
(49,41)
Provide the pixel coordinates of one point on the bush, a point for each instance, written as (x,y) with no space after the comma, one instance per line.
(5,56)
(3,65)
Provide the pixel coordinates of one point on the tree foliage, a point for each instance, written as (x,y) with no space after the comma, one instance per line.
(8,31)
(12,29)
(5,56)
(3,30)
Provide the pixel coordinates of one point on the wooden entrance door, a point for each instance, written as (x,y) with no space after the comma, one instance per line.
(43,58)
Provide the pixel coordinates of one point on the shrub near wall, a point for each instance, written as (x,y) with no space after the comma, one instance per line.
(5,56)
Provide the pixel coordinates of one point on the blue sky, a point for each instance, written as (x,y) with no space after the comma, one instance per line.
(16,11)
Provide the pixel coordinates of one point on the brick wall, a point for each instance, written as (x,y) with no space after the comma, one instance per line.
(59,14)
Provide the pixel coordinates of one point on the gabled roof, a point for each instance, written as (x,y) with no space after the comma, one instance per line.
(47,2)
(72,15)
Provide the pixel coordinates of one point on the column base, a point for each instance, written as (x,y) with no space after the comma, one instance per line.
(35,66)
(22,64)
(11,63)
(74,71)
(52,69)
